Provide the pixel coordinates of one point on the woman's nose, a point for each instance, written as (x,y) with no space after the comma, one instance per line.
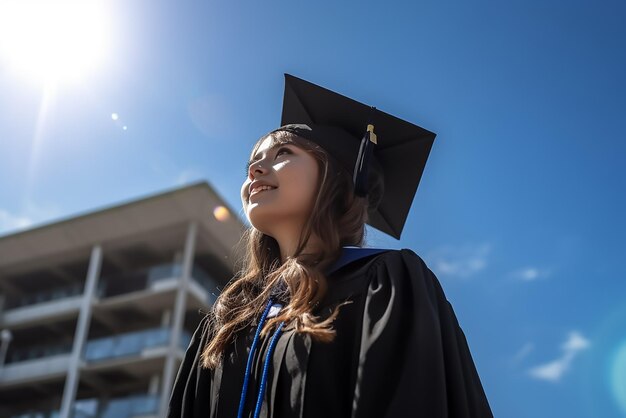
(256,168)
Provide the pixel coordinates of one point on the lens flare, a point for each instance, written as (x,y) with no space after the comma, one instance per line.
(221,213)
(618,377)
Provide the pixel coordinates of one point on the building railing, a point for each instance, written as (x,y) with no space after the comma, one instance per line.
(127,407)
(144,279)
(122,345)
(119,345)
(37,352)
(118,285)
(48,295)
(54,366)
(131,406)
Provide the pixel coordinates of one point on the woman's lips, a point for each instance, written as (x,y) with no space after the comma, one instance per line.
(260,189)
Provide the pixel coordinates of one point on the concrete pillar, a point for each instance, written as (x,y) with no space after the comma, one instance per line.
(178,317)
(5,339)
(166,318)
(153,389)
(82,331)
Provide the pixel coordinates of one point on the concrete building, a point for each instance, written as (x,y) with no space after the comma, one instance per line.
(96,311)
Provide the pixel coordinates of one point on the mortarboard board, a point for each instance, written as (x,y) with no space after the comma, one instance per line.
(353,133)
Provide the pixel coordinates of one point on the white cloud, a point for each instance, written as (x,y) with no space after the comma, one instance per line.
(461,262)
(10,222)
(576,342)
(553,371)
(31,215)
(173,174)
(530,274)
(523,352)
(187,176)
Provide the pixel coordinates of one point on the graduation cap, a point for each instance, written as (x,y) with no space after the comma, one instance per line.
(359,136)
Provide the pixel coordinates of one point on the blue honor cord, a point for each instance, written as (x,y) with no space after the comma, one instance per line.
(246,379)
(270,350)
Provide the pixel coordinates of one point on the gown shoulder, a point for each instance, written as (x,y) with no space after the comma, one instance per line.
(413,356)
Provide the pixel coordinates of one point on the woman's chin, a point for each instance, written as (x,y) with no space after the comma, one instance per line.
(259,217)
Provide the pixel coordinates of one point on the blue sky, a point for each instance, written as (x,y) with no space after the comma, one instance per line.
(520,212)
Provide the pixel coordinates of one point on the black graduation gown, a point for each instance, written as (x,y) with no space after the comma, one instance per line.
(399,352)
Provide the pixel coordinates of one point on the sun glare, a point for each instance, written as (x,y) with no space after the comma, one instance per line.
(54,41)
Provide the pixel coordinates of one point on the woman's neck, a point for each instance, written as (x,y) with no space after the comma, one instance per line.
(288,244)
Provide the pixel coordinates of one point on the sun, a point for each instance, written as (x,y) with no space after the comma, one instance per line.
(54,41)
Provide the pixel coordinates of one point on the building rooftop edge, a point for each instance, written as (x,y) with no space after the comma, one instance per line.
(200,184)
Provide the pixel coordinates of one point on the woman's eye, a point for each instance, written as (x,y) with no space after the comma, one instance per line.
(280,151)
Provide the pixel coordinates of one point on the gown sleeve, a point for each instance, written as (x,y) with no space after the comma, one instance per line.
(413,359)
(184,391)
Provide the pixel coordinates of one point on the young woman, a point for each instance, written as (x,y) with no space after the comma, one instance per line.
(312,327)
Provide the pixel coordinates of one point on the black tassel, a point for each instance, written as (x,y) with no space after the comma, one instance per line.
(361,169)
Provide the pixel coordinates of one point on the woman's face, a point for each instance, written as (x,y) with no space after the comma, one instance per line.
(280,188)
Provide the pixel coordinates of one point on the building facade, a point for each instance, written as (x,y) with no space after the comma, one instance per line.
(96,311)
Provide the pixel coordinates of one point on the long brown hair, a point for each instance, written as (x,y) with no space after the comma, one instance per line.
(337,218)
